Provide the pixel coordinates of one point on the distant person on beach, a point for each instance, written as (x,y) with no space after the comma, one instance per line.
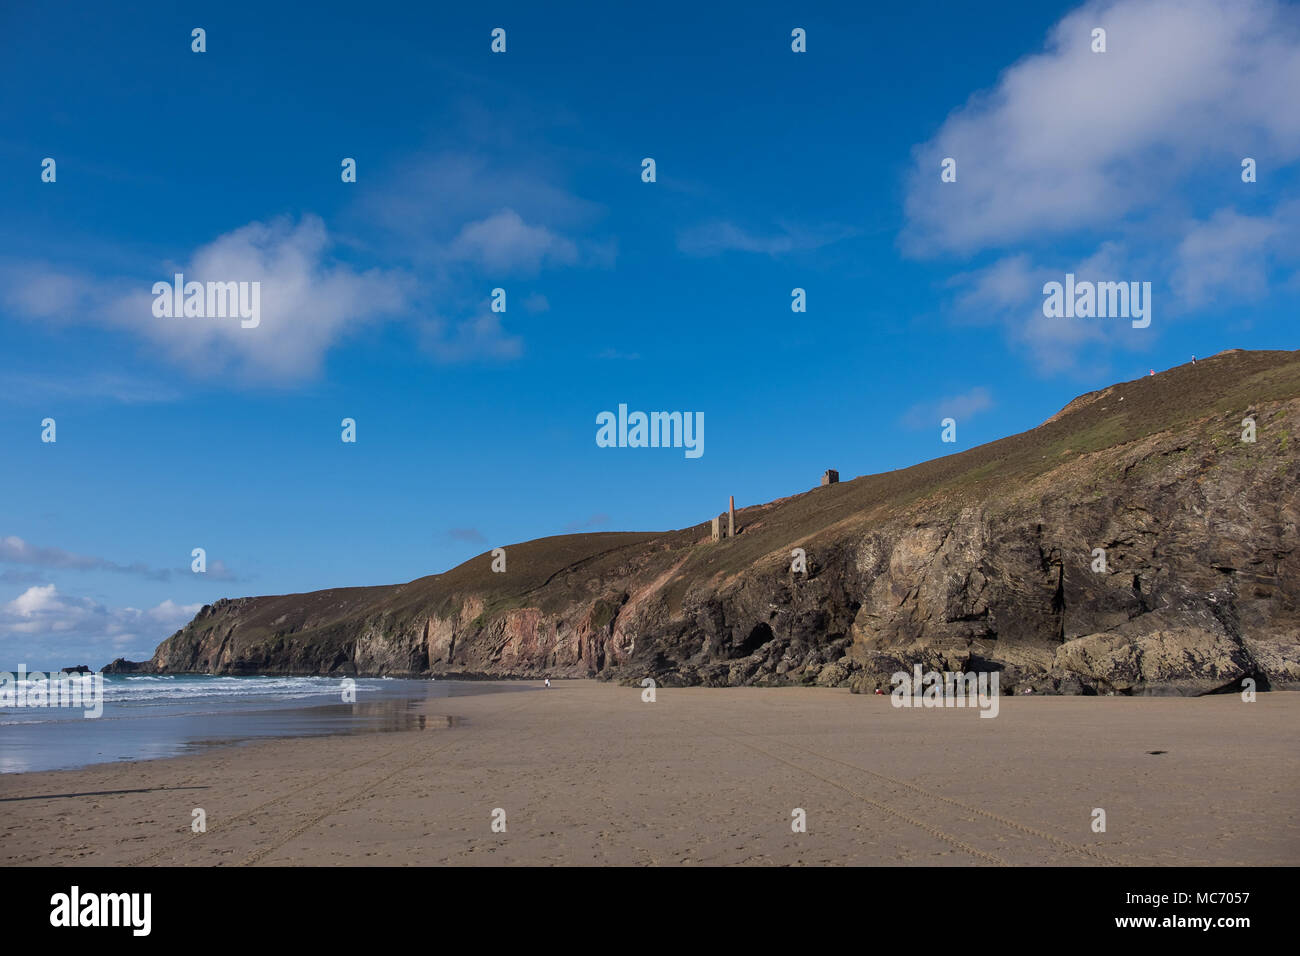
(548,683)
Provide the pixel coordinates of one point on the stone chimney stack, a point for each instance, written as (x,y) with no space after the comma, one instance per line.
(731,518)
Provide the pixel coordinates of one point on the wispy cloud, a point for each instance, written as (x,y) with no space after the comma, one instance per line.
(537,303)
(12,576)
(15,550)
(715,238)
(1009,293)
(218,571)
(480,337)
(470,535)
(1228,256)
(457,210)
(434,195)
(86,385)
(961,407)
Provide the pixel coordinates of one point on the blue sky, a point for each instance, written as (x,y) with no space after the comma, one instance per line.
(522,171)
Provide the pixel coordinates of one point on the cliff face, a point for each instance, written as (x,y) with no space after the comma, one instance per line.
(983,560)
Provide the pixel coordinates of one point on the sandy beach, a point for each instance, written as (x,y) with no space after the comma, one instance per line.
(588,773)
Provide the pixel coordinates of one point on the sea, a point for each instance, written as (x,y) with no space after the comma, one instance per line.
(146,717)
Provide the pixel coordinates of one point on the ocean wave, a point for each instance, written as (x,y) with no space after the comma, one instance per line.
(160,689)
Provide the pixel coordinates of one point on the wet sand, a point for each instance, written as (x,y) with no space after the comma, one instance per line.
(588,773)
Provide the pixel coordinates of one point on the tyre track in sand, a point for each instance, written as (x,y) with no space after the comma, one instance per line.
(319,789)
(1056,842)
(227,822)
(934,831)
(367,792)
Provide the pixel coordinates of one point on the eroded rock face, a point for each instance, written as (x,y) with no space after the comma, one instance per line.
(1199,587)
(1198,590)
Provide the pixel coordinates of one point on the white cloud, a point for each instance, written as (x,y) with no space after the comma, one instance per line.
(42,613)
(309,302)
(504,243)
(33,601)
(1007,283)
(1009,293)
(1070,139)
(1230,254)
(1121,166)
(456,220)
(172,615)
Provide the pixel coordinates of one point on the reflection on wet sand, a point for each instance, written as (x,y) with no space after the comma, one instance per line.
(169,717)
(393,715)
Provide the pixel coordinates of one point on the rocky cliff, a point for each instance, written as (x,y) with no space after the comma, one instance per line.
(1133,543)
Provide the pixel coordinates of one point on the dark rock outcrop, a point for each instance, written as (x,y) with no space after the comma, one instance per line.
(986,560)
(120,665)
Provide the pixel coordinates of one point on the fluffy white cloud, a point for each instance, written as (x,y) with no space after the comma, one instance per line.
(504,243)
(1121,166)
(1070,139)
(42,613)
(308,301)
(454,220)
(33,601)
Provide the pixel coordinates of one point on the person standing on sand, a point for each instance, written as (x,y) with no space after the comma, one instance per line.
(548,683)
